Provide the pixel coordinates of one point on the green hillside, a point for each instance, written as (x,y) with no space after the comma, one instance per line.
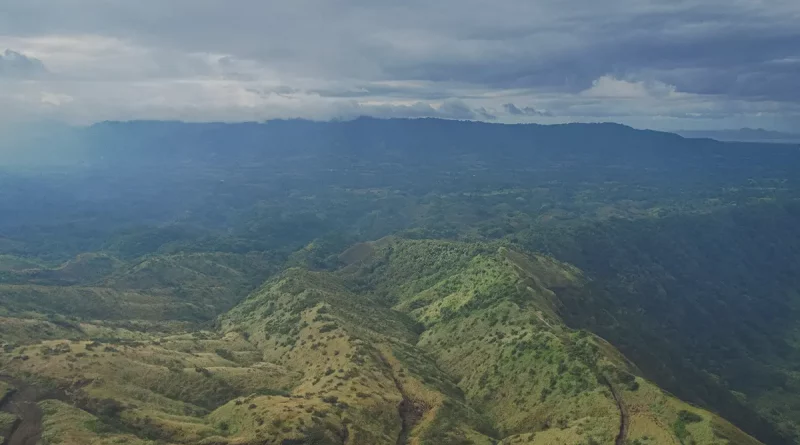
(406,282)
(419,342)
(192,287)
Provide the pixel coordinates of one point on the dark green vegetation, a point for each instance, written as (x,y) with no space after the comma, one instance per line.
(401,281)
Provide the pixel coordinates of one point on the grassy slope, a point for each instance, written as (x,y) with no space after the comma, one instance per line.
(187,287)
(11,263)
(413,342)
(705,304)
(490,318)
(350,347)
(7,420)
(162,389)
(67,425)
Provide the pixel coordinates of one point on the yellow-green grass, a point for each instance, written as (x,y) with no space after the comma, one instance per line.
(86,268)
(495,331)
(492,324)
(160,288)
(7,420)
(658,418)
(14,330)
(157,389)
(349,349)
(64,424)
(90,303)
(413,342)
(4,388)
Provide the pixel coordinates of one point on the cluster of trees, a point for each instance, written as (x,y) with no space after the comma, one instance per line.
(704,304)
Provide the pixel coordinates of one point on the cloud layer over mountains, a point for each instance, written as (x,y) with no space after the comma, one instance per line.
(679,64)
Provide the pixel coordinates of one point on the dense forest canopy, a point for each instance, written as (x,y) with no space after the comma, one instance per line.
(631,258)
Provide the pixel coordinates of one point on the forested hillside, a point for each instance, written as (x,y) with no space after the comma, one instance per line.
(399,282)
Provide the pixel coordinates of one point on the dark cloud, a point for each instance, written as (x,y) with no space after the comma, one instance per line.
(280,90)
(449,109)
(525,111)
(426,90)
(512,109)
(728,54)
(343,92)
(16,65)
(457,109)
(485,114)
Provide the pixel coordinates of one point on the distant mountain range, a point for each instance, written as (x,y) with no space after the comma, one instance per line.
(743,135)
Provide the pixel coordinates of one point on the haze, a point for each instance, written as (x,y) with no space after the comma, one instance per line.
(662,65)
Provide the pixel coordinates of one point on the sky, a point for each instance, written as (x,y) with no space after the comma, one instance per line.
(670,64)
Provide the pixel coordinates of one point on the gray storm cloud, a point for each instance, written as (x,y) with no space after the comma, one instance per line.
(524,111)
(16,65)
(653,64)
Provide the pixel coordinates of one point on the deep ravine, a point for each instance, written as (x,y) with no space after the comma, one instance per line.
(409,415)
(22,402)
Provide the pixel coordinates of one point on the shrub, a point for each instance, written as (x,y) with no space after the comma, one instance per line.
(688,417)
(684,417)
(327,328)
(226,354)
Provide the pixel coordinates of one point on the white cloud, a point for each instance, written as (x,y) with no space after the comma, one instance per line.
(55,99)
(609,87)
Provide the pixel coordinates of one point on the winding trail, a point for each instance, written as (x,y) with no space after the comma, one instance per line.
(624,418)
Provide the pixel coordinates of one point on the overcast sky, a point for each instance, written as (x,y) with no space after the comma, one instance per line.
(672,64)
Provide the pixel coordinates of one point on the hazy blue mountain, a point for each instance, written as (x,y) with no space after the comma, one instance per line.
(744,135)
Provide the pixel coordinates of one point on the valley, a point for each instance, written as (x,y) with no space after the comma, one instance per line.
(399,282)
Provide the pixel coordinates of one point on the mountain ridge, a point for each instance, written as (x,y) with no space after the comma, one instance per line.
(488,282)
(335,340)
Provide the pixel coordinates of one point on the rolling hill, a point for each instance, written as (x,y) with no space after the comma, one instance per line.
(411,342)
(397,282)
